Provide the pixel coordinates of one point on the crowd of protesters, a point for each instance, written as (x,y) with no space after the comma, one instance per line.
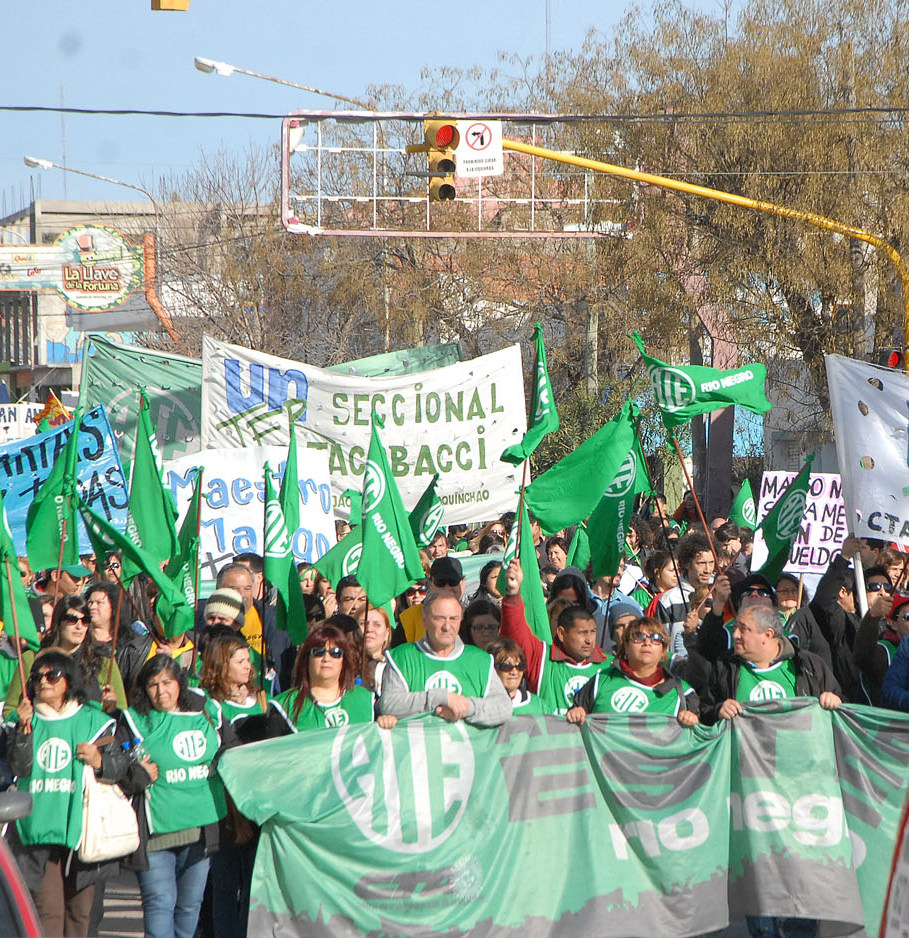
(684,628)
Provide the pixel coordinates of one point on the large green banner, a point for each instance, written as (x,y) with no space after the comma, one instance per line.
(628,826)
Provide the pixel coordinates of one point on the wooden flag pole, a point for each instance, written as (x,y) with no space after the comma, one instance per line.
(664,524)
(196,571)
(517,521)
(12,603)
(697,504)
(59,562)
(798,602)
(116,632)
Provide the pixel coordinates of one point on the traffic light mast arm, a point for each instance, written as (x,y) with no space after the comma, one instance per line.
(757,205)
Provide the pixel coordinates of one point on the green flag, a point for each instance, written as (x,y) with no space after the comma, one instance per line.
(152,520)
(280,567)
(52,515)
(531,588)
(608,524)
(543,415)
(343,559)
(390,561)
(572,488)
(744,511)
(782,523)
(12,592)
(356,505)
(426,517)
(683,392)
(175,613)
(183,565)
(579,548)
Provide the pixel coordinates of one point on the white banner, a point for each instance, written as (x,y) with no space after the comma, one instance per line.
(233,507)
(455,421)
(17,421)
(871,424)
(823,528)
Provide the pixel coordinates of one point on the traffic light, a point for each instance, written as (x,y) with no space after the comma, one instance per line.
(892,358)
(442,140)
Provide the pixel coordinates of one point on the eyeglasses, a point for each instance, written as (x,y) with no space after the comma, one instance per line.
(877,587)
(508,668)
(640,637)
(439,584)
(70,617)
(52,676)
(757,591)
(113,565)
(320,651)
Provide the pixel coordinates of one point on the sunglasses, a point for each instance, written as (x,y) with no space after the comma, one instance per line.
(757,591)
(320,651)
(442,583)
(416,589)
(73,618)
(640,637)
(52,676)
(877,587)
(112,566)
(508,668)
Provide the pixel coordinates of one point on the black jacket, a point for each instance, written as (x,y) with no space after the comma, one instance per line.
(812,678)
(839,628)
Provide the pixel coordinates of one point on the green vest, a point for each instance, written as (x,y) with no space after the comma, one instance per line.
(615,692)
(771,683)
(561,680)
(356,706)
(8,668)
(466,672)
(182,745)
(531,704)
(56,780)
(233,711)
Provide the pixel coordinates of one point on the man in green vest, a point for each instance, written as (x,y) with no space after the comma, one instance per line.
(440,674)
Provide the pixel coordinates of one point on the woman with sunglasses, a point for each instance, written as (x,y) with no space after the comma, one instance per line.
(177,736)
(70,632)
(324,692)
(511,666)
(55,736)
(637,681)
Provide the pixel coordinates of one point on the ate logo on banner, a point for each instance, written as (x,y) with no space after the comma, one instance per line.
(190,745)
(629,700)
(373,487)
(790,516)
(405,791)
(54,755)
(431,521)
(624,478)
(749,512)
(351,560)
(673,389)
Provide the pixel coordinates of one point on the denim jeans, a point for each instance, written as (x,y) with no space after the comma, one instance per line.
(172,890)
(231,875)
(763,926)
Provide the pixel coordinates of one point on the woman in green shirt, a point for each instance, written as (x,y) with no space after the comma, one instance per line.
(324,691)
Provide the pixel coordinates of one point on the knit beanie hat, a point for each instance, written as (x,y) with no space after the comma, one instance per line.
(226,602)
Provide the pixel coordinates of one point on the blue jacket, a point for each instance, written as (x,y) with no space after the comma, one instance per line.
(895,689)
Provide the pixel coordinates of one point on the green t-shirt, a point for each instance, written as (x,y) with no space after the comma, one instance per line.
(561,680)
(55,783)
(528,704)
(615,692)
(183,745)
(356,706)
(759,684)
(467,671)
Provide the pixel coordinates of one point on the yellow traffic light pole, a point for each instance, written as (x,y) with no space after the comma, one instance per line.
(757,205)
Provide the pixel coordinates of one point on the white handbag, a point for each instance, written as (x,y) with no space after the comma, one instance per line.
(109,825)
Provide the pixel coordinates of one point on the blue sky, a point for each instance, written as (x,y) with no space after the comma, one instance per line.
(118,53)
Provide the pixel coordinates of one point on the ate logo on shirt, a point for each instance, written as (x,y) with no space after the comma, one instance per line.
(572,686)
(629,700)
(336,717)
(766,690)
(443,679)
(190,745)
(54,755)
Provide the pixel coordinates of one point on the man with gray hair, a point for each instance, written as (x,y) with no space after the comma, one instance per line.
(440,674)
(764,665)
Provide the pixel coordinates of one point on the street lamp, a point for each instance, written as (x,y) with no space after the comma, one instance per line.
(36,163)
(210,66)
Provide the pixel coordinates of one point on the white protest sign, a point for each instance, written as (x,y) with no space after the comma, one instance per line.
(479,151)
(871,423)
(17,421)
(455,421)
(233,509)
(823,527)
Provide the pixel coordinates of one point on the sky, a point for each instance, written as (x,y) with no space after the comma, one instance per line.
(121,54)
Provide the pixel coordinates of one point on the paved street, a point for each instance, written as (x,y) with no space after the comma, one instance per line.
(122,908)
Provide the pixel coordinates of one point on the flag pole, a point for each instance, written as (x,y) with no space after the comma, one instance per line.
(196,570)
(12,602)
(59,561)
(664,524)
(262,662)
(517,537)
(697,504)
(116,633)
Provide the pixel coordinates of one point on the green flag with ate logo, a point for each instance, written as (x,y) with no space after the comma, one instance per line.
(390,560)
(569,491)
(426,517)
(744,511)
(782,523)
(535,611)
(343,559)
(12,592)
(608,524)
(543,415)
(683,392)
